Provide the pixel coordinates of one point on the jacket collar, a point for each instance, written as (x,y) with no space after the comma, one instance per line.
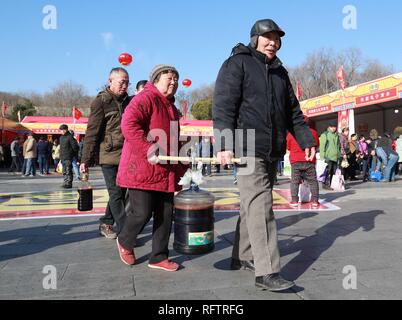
(274,63)
(151,88)
(117,97)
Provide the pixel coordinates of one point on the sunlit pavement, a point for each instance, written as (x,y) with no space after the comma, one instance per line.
(41,230)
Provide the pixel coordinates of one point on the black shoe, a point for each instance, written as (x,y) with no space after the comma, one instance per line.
(273,282)
(242,265)
(67,186)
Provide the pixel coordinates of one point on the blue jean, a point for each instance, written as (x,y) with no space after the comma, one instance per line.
(43,163)
(389,172)
(76,168)
(30,168)
(381,158)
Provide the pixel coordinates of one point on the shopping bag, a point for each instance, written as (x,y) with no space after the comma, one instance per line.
(320,167)
(338,181)
(59,168)
(304,192)
(287,167)
(375,176)
(322,170)
(323,177)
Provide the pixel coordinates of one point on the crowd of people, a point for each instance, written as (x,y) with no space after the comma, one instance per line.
(40,157)
(372,158)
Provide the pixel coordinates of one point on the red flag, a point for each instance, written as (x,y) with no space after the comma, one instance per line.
(341,78)
(77,114)
(3,109)
(299,91)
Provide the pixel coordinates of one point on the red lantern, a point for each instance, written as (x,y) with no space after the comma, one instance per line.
(125,59)
(187,83)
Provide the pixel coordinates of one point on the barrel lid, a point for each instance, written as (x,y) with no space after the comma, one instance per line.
(194,195)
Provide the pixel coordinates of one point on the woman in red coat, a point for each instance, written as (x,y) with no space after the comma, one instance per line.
(147,129)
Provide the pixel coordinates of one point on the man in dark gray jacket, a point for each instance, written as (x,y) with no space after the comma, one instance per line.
(68,149)
(253,93)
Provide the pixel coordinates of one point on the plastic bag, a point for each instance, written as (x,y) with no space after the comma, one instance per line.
(322,170)
(338,181)
(59,168)
(344,164)
(376,176)
(304,192)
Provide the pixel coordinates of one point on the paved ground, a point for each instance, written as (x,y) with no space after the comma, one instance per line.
(315,247)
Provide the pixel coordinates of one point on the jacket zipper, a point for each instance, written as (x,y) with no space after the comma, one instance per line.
(269,119)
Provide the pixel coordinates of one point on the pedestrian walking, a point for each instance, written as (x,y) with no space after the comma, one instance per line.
(15,148)
(151,185)
(104,134)
(68,149)
(330,152)
(253,92)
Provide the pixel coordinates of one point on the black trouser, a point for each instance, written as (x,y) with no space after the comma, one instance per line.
(68,172)
(206,169)
(14,164)
(351,170)
(365,167)
(115,211)
(143,203)
(332,166)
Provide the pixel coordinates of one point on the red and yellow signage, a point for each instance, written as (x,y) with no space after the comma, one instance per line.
(373,92)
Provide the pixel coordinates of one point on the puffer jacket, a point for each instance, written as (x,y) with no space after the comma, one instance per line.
(103,135)
(146,127)
(68,147)
(254,93)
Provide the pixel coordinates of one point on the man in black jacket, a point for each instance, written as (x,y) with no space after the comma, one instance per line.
(253,93)
(68,149)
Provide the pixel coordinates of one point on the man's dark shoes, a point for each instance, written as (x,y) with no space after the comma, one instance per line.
(273,282)
(107,231)
(242,265)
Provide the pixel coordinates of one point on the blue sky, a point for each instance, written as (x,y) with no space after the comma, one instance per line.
(195,36)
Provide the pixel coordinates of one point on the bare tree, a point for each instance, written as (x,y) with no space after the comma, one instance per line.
(317,74)
(65,96)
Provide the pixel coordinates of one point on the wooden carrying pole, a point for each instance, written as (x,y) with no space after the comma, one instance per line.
(197,159)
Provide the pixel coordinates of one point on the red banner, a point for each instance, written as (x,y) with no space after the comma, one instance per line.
(378,96)
(341,78)
(3,109)
(299,91)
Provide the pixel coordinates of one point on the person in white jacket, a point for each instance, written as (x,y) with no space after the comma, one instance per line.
(399,152)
